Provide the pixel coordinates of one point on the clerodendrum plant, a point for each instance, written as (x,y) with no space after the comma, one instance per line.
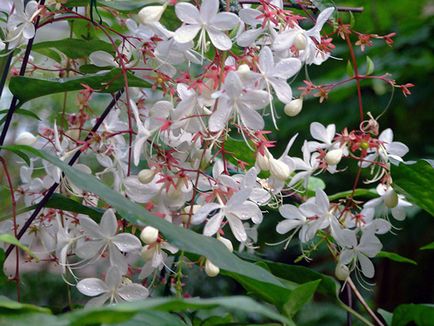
(184,138)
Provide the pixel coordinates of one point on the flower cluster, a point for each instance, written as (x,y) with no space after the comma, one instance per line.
(214,81)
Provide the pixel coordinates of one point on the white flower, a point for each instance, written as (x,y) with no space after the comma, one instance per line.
(244,102)
(114,289)
(206,21)
(235,211)
(389,199)
(388,150)
(324,135)
(295,220)
(103,236)
(20,23)
(151,14)
(309,53)
(307,166)
(368,247)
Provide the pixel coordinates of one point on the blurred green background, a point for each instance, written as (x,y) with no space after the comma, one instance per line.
(411,60)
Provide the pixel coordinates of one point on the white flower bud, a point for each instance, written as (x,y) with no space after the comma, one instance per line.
(342,272)
(147,252)
(293,108)
(390,198)
(146,175)
(263,161)
(243,69)
(226,242)
(25,138)
(334,156)
(300,42)
(279,169)
(210,269)
(149,235)
(151,14)
(186,212)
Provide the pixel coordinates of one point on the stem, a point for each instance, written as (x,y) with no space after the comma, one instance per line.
(14,218)
(355,314)
(296,6)
(5,71)
(356,75)
(53,188)
(363,302)
(14,101)
(350,304)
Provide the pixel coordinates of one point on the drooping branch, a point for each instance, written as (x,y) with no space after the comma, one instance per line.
(71,162)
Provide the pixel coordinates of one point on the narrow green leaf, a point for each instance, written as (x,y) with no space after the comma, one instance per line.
(19,112)
(301,295)
(9,238)
(127,310)
(350,71)
(21,154)
(368,193)
(415,182)
(184,239)
(74,48)
(28,88)
(370,66)
(396,257)
(387,316)
(11,306)
(429,246)
(420,314)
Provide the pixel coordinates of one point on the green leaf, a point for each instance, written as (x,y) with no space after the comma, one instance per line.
(9,306)
(183,239)
(238,150)
(28,88)
(370,67)
(121,5)
(367,193)
(349,69)
(19,112)
(125,311)
(387,316)
(395,257)
(301,295)
(415,182)
(420,314)
(429,246)
(19,153)
(74,48)
(9,238)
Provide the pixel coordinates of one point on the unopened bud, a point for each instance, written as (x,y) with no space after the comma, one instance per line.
(226,242)
(342,272)
(293,108)
(263,161)
(242,69)
(151,14)
(334,156)
(146,175)
(25,138)
(149,235)
(186,212)
(147,252)
(210,269)
(300,42)
(390,198)
(279,169)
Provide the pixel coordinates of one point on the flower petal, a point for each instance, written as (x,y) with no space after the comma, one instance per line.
(186,33)
(92,287)
(133,292)
(220,40)
(126,242)
(187,13)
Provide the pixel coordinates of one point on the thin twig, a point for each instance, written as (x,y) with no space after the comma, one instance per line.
(363,302)
(74,158)
(14,101)
(350,304)
(310,7)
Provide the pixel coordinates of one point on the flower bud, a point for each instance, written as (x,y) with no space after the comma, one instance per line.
(342,272)
(242,69)
(25,138)
(300,42)
(210,269)
(334,156)
(279,169)
(226,242)
(263,161)
(146,175)
(151,14)
(186,212)
(293,108)
(390,198)
(149,235)
(147,252)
